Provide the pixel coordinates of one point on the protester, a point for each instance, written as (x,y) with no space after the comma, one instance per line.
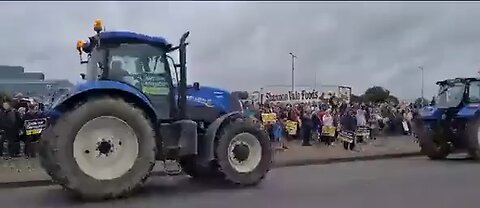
(31,140)
(408,117)
(328,122)
(348,122)
(277,131)
(11,124)
(317,124)
(361,116)
(292,116)
(306,127)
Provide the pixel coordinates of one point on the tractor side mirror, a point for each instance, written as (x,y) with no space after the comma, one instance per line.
(196,86)
(82,75)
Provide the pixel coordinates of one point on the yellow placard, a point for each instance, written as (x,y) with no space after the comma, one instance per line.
(291,127)
(362,133)
(33,131)
(328,131)
(345,137)
(269,117)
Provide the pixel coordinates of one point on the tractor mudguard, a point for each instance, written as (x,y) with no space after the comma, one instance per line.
(108,87)
(206,144)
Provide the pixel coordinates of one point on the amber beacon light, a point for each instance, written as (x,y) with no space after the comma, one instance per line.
(79,45)
(97,25)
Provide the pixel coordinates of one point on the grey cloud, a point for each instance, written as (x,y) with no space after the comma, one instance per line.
(240,45)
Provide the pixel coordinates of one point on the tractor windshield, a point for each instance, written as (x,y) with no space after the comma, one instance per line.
(136,64)
(474,92)
(450,95)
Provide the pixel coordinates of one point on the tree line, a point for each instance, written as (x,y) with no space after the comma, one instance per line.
(377,94)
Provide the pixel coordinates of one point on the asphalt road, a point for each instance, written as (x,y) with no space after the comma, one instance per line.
(412,182)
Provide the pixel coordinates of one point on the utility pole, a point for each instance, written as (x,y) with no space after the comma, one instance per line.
(293,70)
(421,69)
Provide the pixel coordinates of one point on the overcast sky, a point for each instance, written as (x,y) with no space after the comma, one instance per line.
(239,45)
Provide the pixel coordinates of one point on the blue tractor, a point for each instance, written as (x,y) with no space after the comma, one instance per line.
(134,107)
(452,124)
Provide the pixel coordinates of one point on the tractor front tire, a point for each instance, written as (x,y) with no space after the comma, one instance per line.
(243,153)
(431,145)
(103,148)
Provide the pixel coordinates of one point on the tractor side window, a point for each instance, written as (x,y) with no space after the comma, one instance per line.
(474,92)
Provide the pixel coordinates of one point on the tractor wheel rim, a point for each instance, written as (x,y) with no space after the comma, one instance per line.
(105,148)
(244,152)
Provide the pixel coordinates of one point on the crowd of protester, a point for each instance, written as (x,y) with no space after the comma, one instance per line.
(13,113)
(312,117)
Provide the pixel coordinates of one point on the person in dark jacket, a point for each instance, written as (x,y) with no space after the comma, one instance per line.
(348,121)
(293,116)
(11,123)
(31,140)
(317,125)
(306,128)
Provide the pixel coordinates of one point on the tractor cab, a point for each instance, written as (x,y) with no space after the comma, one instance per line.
(143,62)
(454,93)
(454,99)
(124,61)
(139,61)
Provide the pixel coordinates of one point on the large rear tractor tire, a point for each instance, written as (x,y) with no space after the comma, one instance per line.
(432,145)
(473,139)
(243,153)
(102,149)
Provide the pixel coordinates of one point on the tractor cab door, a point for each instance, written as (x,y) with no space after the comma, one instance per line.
(151,76)
(474,92)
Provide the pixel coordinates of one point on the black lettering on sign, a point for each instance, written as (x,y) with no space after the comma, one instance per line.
(294,96)
(276,97)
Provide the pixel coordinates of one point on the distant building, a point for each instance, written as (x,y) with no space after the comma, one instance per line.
(14,80)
